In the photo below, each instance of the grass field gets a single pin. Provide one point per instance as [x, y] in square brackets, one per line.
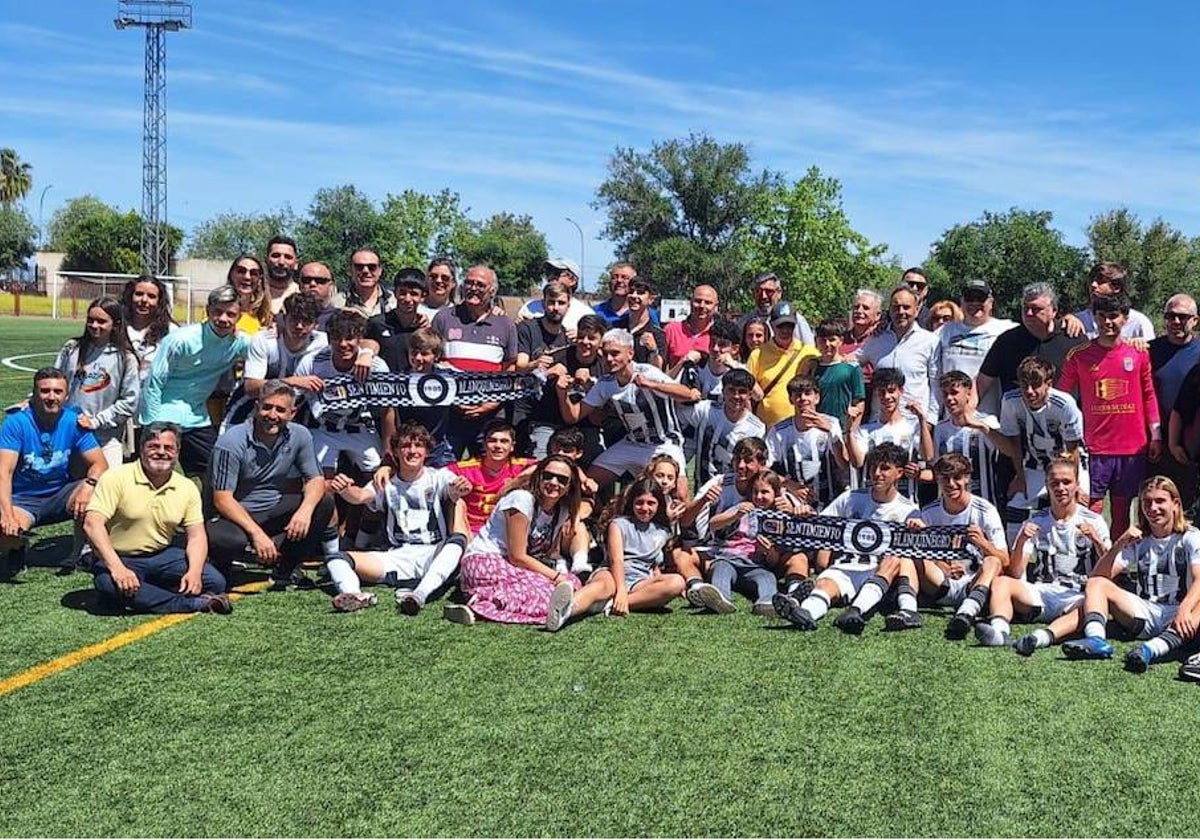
[288, 719]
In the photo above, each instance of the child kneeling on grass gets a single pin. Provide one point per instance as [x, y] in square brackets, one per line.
[1163, 551]
[424, 549]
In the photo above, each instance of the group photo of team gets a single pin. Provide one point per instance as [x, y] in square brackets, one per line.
[409, 441]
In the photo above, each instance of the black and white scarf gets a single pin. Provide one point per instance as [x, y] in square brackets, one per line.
[865, 536]
[420, 390]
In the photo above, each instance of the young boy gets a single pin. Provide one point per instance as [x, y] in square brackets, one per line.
[719, 428]
[1120, 409]
[1037, 424]
[423, 549]
[853, 575]
[963, 586]
[910, 433]
[489, 475]
[807, 449]
[968, 432]
[841, 381]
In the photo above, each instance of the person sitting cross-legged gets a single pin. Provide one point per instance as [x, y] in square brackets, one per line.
[131, 521]
[269, 494]
[423, 548]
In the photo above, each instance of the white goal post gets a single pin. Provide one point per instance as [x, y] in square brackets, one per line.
[69, 284]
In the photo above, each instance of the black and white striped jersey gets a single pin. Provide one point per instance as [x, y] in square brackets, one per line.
[1061, 553]
[321, 364]
[979, 512]
[415, 511]
[1164, 567]
[948, 437]
[808, 457]
[716, 435]
[905, 433]
[270, 358]
[1043, 435]
[648, 416]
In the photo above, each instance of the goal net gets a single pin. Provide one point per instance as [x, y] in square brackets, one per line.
[72, 291]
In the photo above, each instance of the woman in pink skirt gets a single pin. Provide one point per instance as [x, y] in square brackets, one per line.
[509, 571]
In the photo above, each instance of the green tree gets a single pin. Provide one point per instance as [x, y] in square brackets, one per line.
[16, 177]
[1160, 259]
[682, 211]
[803, 235]
[512, 246]
[17, 236]
[340, 221]
[228, 235]
[97, 237]
[1010, 250]
[414, 227]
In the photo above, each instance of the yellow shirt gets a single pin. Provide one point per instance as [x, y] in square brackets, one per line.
[143, 519]
[769, 361]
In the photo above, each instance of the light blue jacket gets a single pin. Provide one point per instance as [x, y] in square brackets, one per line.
[187, 367]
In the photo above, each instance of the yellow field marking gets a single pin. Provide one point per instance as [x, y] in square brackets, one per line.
[47, 669]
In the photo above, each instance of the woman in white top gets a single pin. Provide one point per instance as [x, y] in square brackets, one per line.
[146, 310]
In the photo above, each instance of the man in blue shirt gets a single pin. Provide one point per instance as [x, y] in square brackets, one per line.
[36, 445]
[187, 367]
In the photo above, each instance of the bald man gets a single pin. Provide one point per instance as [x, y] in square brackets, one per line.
[692, 333]
[1173, 355]
[317, 280]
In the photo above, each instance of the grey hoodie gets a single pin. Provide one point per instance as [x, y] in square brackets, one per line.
[108, 389]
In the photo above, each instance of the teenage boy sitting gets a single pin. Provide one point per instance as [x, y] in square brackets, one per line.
[908, 431]
[489, 475]
[964, 586]
[719, 428]
[969, 432]
[807, 449]
[423, 549]
[852, 575]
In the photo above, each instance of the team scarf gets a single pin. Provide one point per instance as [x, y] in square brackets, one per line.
[865, 536]
[421, 390]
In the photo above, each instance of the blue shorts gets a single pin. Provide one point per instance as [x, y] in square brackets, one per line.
[46, 510]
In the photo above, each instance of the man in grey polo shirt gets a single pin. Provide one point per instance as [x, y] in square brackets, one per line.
[269, 493]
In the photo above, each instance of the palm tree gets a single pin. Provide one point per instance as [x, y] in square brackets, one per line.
[16, 177]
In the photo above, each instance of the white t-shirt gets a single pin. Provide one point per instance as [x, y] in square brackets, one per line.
[974, 444]
[1137, 325]
[545, 529]
[1164, 566]
[416, 510]
[1043, 435]
[576, 309]
[717, 435]
[1060, 553]
[270, 358]
[906, 433]
[963, 347]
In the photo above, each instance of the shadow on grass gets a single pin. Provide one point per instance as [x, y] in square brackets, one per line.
[89, 601]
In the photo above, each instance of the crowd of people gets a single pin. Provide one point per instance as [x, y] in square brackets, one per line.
[647, 461]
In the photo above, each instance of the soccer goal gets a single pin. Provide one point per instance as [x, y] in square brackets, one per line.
[71, 292]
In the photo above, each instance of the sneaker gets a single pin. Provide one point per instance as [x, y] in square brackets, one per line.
[765, 609]
[560, 606]
[295, 580]
[216, 604]
[692, 596]
[958, 628]
[603, 606]
[788, 608]
[709, 597]
[459, 614]
[803, 589]
[353, 601]
[902, 620]
[1089, 647]
[1138, 659]
[989, 636]
[408, 602]
[1190, 668]
[851, 621]
[1026, 645]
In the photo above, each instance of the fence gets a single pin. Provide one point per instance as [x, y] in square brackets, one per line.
[69, 293]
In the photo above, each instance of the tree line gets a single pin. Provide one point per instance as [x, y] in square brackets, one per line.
[685, 211]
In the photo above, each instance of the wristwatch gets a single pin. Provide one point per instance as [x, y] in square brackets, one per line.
[91, 482]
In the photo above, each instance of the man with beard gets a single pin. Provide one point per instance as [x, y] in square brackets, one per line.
[316, 280]
[131, 521]
[281, 270]
[909, 348]
[36, 448]
[965, 343]
[540, 345]
[768, 291]
[365, 296]
[269, 492]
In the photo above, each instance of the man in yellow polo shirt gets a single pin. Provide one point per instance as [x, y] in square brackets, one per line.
[775, 363]
[131, 521]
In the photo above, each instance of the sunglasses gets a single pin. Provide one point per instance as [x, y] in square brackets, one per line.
[1177, 316]
[557, 478]
[918, 286]
[433, 276]
[318, 281]
[371, 267]
[252, 272]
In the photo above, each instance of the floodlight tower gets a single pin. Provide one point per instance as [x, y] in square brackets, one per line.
[158, 17]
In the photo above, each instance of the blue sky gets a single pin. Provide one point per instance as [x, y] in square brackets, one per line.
[928, 113]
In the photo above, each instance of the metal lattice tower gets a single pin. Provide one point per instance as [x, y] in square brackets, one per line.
[158, 17]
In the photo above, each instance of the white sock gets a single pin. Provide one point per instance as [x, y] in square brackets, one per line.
[907, 601]
[867, 597]
[1094, 630]
[443, 565]
[816, 604]
[1158, 647]
[1042, 638]
[343, 575]
[1001, 624]
[580, 559]
[969, 608]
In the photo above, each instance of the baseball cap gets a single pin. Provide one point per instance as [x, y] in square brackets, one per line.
[556, 264]
[975, 288]
[782, 313]
[642, 283]
[411, 277]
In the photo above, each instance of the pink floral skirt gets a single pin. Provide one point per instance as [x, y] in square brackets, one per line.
[501, 591]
